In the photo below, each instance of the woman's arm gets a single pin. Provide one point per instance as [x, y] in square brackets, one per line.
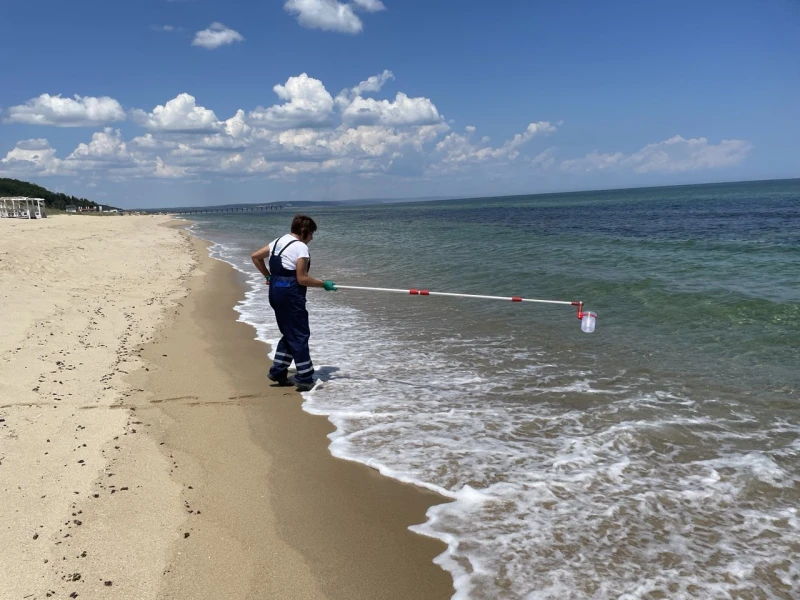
[303, 278]
[258, 260]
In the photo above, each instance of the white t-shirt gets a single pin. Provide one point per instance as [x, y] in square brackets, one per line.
[292, 253]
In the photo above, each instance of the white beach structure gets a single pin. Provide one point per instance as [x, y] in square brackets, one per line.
[10, 207]
[38, 208]
[20, 207]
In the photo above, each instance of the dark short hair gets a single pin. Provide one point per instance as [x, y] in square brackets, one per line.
[303, 225]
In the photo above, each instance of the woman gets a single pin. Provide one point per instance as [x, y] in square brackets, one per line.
[288, 279]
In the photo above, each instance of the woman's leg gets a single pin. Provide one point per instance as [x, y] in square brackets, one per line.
[280, 364]
[296, 335]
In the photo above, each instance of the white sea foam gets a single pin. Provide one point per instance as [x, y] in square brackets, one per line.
[563, 482]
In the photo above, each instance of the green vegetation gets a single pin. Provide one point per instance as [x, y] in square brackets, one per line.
[53, 200]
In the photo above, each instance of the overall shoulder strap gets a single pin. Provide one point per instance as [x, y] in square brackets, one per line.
[275, 246]
[285, 247]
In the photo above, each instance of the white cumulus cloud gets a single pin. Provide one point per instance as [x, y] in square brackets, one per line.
[544, 160]
[374, 83]
[31, 156]
[369, 5]
[675, 155]
[458, 150]
[307, 133]
[594, 161]
[377, 141]
[179, 115]
[371, 84]
[106, 145]
[331, 15]
[236, 127]
[168, 171]
[402, 111]
[533, 129]
[215, 36]
[146, 141]
[678, 154]
[308, 104]
[79, 111]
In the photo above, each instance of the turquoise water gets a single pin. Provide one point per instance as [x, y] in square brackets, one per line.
[656, 457]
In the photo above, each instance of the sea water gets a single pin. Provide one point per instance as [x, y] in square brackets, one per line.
[658, 457]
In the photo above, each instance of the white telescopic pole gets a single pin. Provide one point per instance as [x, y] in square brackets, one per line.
[415, 292]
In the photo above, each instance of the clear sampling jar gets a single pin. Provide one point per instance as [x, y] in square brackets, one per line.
[588, 321]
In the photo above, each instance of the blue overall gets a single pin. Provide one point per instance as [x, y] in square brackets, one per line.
[288, 299]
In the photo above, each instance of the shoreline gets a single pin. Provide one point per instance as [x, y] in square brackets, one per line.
[353, 539]
[231, 491]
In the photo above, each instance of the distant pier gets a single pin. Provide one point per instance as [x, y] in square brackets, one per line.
[203, 211]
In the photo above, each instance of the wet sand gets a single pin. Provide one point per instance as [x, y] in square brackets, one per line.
[197, 479]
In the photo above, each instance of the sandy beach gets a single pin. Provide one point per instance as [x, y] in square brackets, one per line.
[143, 453]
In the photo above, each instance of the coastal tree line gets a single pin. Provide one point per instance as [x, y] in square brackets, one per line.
[57, 200]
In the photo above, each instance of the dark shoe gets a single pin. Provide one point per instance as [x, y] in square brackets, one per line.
[304, 386]
[279, 382]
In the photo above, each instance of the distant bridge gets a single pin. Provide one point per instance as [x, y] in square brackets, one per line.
[201, 211]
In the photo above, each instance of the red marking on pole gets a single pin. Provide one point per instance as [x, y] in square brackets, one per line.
[424, 293]
[413, 292]
[516, 299]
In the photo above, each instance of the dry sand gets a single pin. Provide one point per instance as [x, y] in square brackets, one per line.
[142, 453]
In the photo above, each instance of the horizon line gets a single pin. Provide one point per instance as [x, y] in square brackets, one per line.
[369, 201]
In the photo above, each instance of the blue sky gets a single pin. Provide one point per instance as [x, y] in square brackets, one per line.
[191, 102]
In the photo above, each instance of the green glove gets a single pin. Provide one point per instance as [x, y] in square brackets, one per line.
[267, 282]
[329, 286]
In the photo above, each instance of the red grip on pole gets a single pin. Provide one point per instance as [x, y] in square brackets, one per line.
[413, 292]
[424, 292]
[516, 299]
